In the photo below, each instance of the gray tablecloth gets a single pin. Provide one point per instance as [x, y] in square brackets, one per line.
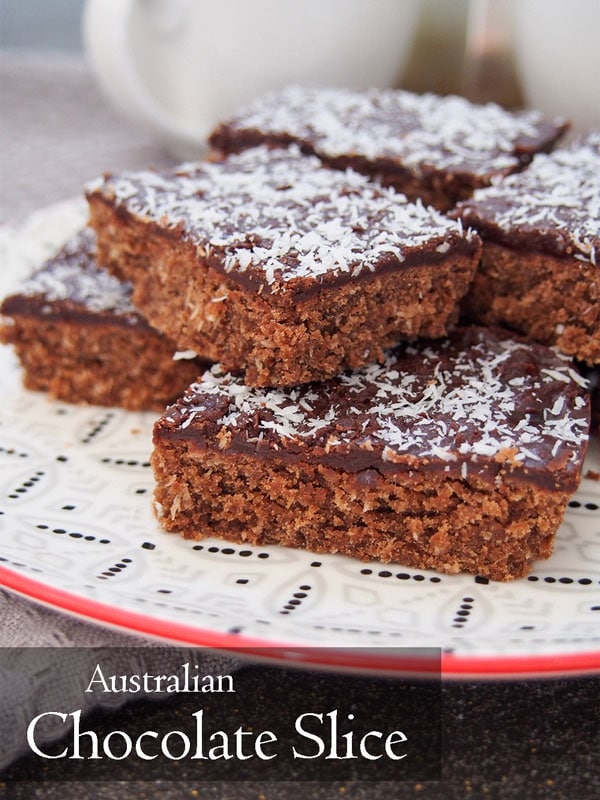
[57, 132]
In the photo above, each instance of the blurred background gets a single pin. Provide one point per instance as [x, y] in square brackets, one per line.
[449, 34]
[441, 32]
[41, 25]
[57, 130]
[61, 119]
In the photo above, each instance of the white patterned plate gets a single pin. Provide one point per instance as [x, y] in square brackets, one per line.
[77, 532]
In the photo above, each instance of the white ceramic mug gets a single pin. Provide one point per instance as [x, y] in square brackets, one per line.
[181, 66]
[558, 57]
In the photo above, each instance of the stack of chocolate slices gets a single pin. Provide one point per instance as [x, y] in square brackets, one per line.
[379, 303]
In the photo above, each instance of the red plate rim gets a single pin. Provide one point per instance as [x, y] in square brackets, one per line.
[547, 665]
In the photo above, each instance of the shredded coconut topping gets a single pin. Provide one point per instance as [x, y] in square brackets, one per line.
[276, 215]
[73, 275]
[469, 398]
[416, 129]
[557, 199]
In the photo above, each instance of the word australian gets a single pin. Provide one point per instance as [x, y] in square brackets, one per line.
[190, 680]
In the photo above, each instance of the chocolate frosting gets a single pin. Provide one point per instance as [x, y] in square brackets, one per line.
[381, 129]
[477, 404]
[71, 285]
[279, 223]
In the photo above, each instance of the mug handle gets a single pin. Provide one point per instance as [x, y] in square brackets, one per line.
[106, 33]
